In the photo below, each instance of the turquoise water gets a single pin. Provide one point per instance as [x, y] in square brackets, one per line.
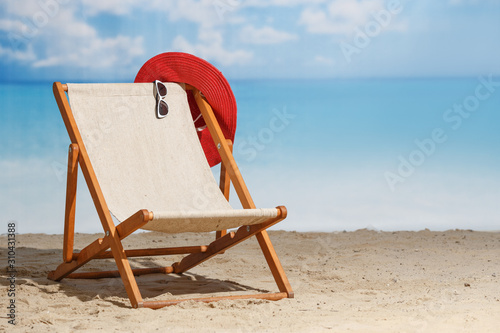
[372, 117]
[324, 148]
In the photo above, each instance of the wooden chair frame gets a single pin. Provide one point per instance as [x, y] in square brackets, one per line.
[98, 249]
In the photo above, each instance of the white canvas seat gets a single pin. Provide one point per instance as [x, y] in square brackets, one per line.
[143, 162]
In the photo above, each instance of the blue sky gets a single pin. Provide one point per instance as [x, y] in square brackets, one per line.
[109, 40]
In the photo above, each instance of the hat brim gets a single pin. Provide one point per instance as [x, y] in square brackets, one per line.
[186, 68]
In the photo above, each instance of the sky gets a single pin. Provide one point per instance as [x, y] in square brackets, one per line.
[109, 40]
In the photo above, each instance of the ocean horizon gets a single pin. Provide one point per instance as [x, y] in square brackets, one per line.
[342, 154]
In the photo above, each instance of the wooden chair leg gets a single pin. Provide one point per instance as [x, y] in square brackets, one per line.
[111, 240]
[125, 270]
[69, 217]
[274, 263]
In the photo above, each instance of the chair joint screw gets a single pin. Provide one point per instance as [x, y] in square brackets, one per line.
[218, 145]
[248, 228]
[107, 233]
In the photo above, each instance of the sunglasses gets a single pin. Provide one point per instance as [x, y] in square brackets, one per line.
[161, 105]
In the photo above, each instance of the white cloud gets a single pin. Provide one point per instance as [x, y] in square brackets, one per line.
[212, 18]
[66, 25]
[207, 13]
[265, 35]
[22, 8]
[316, 21]
[353, 11]
[49, 34]
[203, 12]
[10, 25]
[16, 54]
[62, 36]
[341, 17]
[16, 49]
[210, 47]
[319, 59]
[97, 53]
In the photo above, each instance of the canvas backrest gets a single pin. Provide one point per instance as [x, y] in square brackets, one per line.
[141, 161]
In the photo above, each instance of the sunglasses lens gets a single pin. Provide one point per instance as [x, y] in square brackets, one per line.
[162, 90]
[162, 109]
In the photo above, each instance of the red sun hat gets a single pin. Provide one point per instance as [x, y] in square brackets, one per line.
[186, 68]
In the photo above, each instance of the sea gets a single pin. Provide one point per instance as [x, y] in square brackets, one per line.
[383, 154]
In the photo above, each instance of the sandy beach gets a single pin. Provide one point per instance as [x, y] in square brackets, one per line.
[362, 281]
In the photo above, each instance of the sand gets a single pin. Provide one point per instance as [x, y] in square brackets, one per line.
[362, 281]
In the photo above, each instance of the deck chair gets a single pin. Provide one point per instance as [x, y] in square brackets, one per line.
[151, 173]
